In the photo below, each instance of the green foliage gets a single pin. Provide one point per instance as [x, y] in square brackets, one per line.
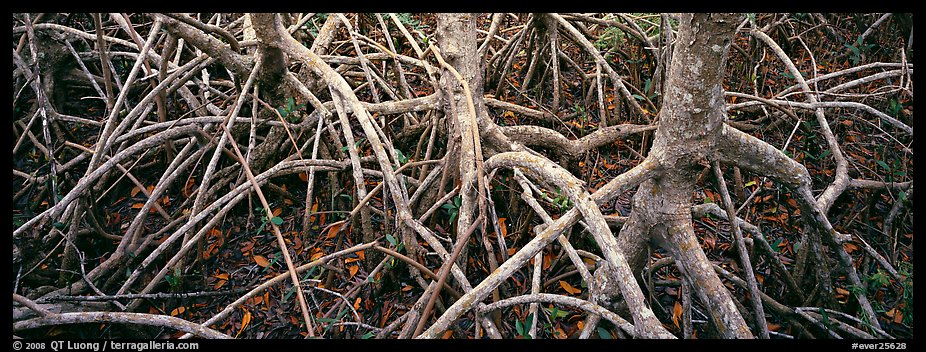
[287, 110]
[880, 279]
[858, 49]
[610, 39]
[173, 279]
[401, 156]
[523, 329]
[894, 169]
[555, 313]
[453, 209]
[895, 107]
[604, 334]
[276, 220]
[408, 20]
[562, 201]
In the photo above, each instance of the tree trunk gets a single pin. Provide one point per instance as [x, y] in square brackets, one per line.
[690, 122]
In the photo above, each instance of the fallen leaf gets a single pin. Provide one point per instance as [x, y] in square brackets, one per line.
[569, 288]
[357, 303]
[188, 189]
[277, 211]
[137, 205]
[676, 313]
[850, 247]
[244, 321]
[261, 260]
[333, 229]
[560, 334]
[177, 311]
[502, 227]
[247, 247]
[135, 191]
[353, 270]
[316, 253]
[447, 334]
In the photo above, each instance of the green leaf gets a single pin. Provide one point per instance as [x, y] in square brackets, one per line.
[555, 313]
[604, 334]
[519, 327]
[401, 157]
[883, 164]
[276, 220]
[367, 335]
[391, 239]
[749, 184]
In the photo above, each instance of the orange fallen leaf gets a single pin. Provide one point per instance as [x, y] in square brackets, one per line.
[277, 211]
[850, 247]
[447, 334]
[333, 229]
[247, 247]
[187, 190]
[244, 321]
[261, 260]
[177, 311]
[569, 288]
[353, 270]
[357, 303]
[316, 253]
[676, 313]
[560, 334]
[137, 205]
[135, 191]
[502, 227]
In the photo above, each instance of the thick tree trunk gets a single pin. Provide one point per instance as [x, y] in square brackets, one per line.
[690, 122]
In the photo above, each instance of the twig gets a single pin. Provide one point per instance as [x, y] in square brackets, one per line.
[141, 296]
[120, 317]
[743, 254]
